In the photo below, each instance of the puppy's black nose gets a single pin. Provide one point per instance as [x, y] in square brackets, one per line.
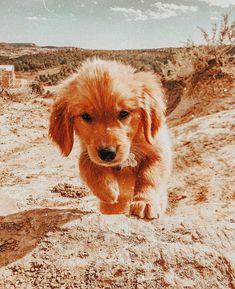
[107, 154]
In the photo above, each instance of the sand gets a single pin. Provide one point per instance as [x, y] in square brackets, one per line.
[53, 236]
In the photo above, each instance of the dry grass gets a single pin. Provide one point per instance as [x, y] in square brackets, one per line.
[201, 68]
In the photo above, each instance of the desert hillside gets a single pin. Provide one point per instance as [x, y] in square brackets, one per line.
[52, 234]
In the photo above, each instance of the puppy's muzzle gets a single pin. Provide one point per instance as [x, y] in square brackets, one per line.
[107, 154]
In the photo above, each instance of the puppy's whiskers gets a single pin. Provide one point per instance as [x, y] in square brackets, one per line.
[85, 159]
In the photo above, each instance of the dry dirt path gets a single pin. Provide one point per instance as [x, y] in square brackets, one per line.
[59, 239]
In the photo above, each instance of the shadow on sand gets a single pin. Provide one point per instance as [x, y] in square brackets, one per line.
[21, 232]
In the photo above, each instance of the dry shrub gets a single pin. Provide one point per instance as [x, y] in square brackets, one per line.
[177, 68]
[12, 95]
[16, 94]
[37, 88]
[202, 68]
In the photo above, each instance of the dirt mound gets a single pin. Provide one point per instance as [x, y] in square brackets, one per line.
[209, 95]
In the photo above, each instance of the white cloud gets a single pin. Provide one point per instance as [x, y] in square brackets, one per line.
[158, 10]
[215, 18]
[174, 7]
[219, 3]
[35, 18]
[131, 14]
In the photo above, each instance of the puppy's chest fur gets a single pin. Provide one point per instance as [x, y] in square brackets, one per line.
[126, 178]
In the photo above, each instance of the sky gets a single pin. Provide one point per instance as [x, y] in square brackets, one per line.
[109, 24]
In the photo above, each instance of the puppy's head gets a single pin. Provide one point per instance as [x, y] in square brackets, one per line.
[110, 107]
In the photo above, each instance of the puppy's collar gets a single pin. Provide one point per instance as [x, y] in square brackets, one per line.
[129, 162]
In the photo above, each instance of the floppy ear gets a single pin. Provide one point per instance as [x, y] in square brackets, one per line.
[61, 126]
[152, 105]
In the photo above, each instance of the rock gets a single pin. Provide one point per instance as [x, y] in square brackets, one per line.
[7, 205]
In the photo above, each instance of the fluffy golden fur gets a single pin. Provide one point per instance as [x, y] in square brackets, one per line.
[116, 111]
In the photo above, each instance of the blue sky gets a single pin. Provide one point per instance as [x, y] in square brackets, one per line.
[109, 24]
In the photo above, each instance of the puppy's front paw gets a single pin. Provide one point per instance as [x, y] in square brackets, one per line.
[110, 192]
[143, 209]
[114, 189]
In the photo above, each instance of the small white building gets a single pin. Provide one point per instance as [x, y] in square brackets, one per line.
[7, 76]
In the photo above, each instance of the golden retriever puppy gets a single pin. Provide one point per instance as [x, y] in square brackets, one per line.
[125, 152]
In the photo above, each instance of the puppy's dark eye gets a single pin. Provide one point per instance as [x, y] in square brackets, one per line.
[123, 114]
[86, 117]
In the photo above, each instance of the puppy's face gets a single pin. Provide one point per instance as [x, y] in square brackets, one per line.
[106, 127]
[105, 106]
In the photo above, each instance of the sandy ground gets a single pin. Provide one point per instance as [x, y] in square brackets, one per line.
[52, 235]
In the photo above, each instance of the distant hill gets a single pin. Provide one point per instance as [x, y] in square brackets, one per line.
[36, 58]
[17, 45]
[13, 45]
